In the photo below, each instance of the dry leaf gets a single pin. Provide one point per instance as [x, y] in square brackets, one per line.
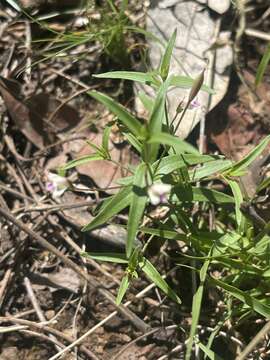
[31, 116]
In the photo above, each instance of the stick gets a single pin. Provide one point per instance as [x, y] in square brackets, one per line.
[138, 323]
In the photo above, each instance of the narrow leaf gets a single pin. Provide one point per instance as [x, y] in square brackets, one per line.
[196, 308]
[129, 75]
[117, 203]
[167, 139]
[137, 206]
[152, 273]
[244, 163]
[248, 300]
[82, 160]
[238, 198]
[118, 258]
[166, 59]
[123, 115]
[186, 82]
[262, 66]
[122, 289]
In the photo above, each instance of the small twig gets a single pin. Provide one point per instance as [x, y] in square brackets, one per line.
[51, 330]
[33, 299]
[4, 284]
[258, 34]
[257, 338]
[140, 324]
[104, 321]
[151, 332]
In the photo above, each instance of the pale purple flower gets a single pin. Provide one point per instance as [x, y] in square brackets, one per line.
[194, 104]
[56, 184]
[159, 193]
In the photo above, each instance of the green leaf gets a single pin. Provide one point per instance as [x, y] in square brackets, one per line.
[152, 273]
[238, 198]
[244, 163]
[167, 139]
[170, 163]
[210, 353]
[248, 300]
[137, 206]
[166, 58]
[262, 66]
[106, 138]
[209, 169]
[156, 120]
[164, 233]
[263, 185]
[122, 289]
[117, 203]
[128, 120]
[82, 160]
[196, 308]
[186, 82]
[14, 5]
[134, 142]
[118, 258]
[200, 194]
[146, 100]
[129, 75]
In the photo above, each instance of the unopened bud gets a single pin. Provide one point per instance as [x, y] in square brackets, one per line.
[196, 86]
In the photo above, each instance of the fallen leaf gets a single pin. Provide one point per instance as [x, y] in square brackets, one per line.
[31, 116]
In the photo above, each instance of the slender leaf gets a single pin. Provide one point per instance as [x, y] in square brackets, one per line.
[14, 5]
[122, 289]
[238, 197]
[137, 206]
[82, 160]
[186, 82]
[248, 300]
[166, 58]
[106, 138]
[173, 141]
[200, 194]
[118, 258]
[170, 163]
[117, 203]
[210, 353]
[152, 273]
[128, 120]
[209, 169]
[129, 75]
[196, 308]
[262, 66]
[244, 163]
[146, 100]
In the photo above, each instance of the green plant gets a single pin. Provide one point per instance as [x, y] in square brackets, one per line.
[262, 66]
[174, 174]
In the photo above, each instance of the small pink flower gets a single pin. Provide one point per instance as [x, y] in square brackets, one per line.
[194, 104]
[56, 184]
[159, 193]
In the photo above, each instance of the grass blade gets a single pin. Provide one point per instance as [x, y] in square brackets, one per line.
[80, 161]
[117, 203]
[167, 139]
[166, 58]
[137, 206]
[241, 165]
[128, 120]
[196, 308]
[152, 273]
[262, 66]
[129, 75]
[122, 289]
[118, 258]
